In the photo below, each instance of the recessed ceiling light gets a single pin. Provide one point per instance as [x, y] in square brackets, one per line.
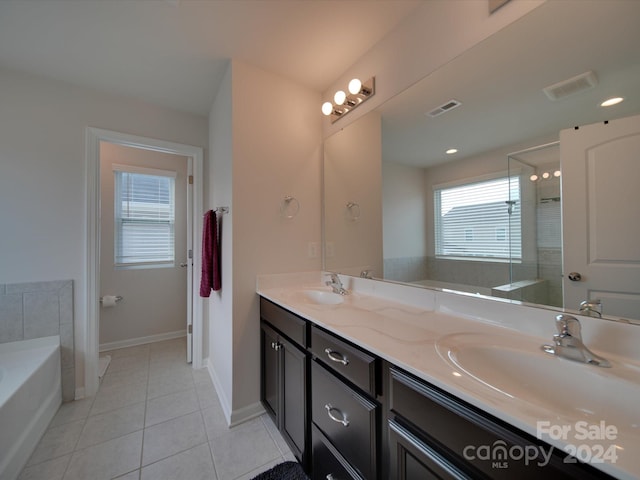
[611, 101]
[451, 151]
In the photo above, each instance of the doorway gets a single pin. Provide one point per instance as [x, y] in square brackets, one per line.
[95, 139]
[144, 259]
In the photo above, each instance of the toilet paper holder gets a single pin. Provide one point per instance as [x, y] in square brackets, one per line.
[119, 298]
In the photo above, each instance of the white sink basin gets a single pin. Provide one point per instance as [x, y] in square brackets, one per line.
[516, 367]
[323, 297]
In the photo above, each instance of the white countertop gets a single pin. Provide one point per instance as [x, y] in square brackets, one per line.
[428, 332]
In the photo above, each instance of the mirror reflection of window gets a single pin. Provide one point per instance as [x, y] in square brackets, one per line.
[479, 220]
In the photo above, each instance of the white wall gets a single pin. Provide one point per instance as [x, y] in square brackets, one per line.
[220, 178]
[404, 198]
[42, 175]
[155, 299]
[352, 173]
[270, 149]
[431, 36]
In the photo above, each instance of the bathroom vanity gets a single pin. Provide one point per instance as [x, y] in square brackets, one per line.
[366, 387]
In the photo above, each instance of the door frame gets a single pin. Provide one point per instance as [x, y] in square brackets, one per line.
[93, 137]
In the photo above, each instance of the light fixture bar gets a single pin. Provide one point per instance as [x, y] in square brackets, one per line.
[353, 100]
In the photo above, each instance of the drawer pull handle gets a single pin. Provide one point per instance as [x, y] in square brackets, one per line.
[342, 420]
[336, 357]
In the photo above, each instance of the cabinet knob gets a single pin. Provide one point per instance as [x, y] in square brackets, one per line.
[336, 357]
[276, 345]
[341, 419]
[330, 476]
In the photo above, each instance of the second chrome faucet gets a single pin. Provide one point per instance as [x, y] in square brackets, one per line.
[568, 343]
[336, 284]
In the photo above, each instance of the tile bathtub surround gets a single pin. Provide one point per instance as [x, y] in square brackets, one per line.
[41, 309]
[153, 418]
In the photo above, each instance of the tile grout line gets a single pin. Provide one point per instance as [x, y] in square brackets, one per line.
[144, 417]
[85, 419]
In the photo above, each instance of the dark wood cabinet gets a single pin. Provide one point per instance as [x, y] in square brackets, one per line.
[431, 430]
[413, 459]
[284, 379]
[353, 363]
[348, 415]
[270, 372]
[328, 462]
[345, 410]
[347, 418]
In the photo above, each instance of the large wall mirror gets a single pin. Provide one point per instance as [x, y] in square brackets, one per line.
[492, 218]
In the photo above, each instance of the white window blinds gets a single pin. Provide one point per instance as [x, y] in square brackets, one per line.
[479, 220]
[144, 216]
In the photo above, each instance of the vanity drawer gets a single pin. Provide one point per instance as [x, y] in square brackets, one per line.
[348, 420]
[452, 427]
[327, 462]
[289, 324]
[349, 361]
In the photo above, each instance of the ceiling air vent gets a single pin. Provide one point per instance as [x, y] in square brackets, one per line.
[450, 105]
[576, 84]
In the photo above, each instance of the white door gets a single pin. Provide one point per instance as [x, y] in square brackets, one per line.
[155, 294]
[601, 225]
[189, 261]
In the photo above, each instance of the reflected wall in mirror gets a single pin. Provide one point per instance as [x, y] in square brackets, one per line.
[506, 131]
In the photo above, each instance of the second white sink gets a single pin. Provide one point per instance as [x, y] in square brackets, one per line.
[517, 368]
[323, 297]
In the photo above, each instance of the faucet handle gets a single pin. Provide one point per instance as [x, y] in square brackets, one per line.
[568, 325]
[334, 277]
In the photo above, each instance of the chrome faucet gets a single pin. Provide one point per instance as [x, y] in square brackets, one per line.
[568, 343]
[336, 284]
[366, 274]
[592, 308]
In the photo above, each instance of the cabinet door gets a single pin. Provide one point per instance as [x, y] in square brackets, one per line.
[328, 464]
[413, 459]
[294, 401]
[270, 388]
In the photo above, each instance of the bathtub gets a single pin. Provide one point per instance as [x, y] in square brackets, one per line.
[30, 395]
[453, 286]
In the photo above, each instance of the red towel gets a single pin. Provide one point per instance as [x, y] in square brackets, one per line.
[210, 279]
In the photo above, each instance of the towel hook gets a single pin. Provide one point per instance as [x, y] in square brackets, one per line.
[353, 211]
[289, 207]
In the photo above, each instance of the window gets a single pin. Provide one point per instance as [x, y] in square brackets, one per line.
[479, 219]
[144, 217]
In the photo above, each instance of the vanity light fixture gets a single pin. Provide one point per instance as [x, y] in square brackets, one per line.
[545, 176]
[611, 101]
[343, 103]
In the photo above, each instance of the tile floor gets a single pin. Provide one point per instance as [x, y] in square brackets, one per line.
[153, 418]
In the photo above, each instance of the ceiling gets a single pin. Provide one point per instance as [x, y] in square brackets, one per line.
[174, 52]
[499, 83]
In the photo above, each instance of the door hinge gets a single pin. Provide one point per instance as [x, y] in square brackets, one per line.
[190, 179]
[190, 254]
[190, 329]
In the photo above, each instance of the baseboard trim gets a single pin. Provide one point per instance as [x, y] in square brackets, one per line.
[132, 342]
[233, 417]
[246, 413]
[79, 393]
[224, 403]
